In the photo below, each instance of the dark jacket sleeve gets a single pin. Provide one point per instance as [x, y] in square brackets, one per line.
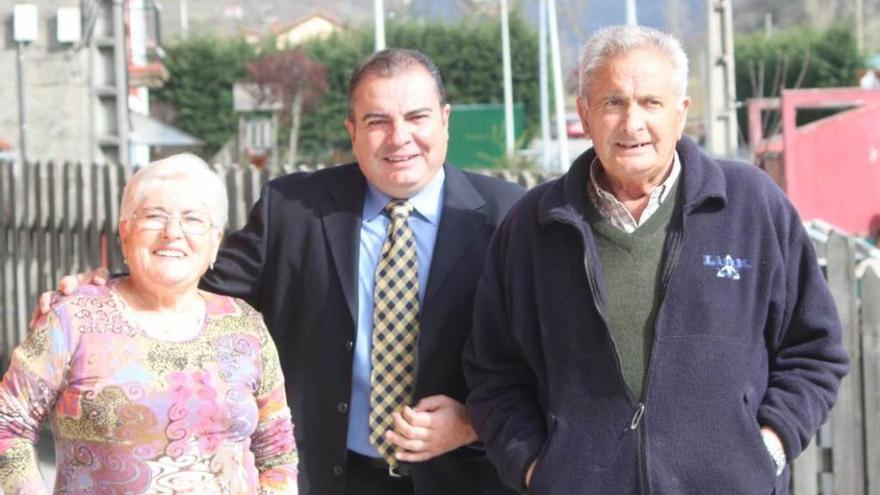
[503, 400]
[807, 359]
[238, 271]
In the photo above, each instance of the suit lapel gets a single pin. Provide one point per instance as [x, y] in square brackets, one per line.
[341, 213]
[461, 220]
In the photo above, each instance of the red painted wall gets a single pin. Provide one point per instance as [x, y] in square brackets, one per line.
[832, 166]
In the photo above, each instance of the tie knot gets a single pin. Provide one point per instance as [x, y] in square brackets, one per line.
[399, 208]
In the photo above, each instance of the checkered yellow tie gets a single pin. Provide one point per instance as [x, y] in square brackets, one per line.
[395, 326]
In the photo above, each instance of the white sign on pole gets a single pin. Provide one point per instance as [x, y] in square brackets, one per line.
[69, 25]
[24, 20]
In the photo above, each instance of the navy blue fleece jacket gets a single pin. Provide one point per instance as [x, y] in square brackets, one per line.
[747, 335]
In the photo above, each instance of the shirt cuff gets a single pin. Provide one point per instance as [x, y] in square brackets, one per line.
[775, 449]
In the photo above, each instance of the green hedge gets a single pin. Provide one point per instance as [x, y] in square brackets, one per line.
[199, 89]
[468, 55]
[827, 58]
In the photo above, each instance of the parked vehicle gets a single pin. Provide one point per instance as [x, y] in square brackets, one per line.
[573, 126]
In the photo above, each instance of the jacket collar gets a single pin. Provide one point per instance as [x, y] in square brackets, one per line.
[463, 215]
[341, 215]
[565, 199]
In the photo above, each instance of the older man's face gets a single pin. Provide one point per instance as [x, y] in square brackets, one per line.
[634, 117]
[399, 131]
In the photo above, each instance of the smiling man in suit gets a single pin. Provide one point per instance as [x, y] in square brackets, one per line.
[308, 258]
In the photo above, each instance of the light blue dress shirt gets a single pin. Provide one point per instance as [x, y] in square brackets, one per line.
[428, 205]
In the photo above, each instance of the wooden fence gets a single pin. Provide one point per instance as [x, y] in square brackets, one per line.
[845, 457]
[61, 218]
[58, 219]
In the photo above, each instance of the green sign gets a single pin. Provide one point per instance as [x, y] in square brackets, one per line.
[476, 134]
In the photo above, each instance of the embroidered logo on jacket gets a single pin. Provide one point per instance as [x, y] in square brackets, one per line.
[727, 266]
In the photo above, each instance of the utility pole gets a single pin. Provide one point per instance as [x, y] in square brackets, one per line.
[722, 130]
[673, 16]
[508, 82]
[860, 25]
[558, 92]
[631, 16]
[24, 20]
[184, 20]
[22, 103]
[108, 81]
[120, 75]
[543, 85]
[379, 23]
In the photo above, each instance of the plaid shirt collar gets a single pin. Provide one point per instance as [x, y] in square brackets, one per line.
[615, 212]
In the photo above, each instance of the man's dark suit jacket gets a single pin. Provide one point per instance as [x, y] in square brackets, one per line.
[296, 262]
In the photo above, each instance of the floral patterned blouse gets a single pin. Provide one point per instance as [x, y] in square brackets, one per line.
[132, 414]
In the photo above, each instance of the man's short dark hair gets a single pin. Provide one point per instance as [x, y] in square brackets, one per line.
[389, 63]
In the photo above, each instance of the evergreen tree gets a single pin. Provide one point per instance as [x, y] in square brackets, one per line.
[199, 90]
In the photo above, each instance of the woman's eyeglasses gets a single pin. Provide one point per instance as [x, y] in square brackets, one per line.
[190, 223]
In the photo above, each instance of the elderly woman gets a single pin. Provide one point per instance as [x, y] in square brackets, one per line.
[152, 385]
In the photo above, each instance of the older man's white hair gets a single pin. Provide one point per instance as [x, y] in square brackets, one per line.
[183, 166]
[616, 40]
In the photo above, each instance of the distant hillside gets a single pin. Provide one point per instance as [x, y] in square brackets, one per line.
[751, 15]
[577, 18]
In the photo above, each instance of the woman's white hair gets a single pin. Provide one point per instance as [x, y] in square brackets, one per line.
[206, 184]
[615, 40]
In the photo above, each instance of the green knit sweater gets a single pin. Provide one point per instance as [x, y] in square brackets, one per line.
[631, 266]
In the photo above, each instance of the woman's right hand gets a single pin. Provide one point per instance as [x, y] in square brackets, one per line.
[66, 286]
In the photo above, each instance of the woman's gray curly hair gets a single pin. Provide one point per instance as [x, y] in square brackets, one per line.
[206, 184]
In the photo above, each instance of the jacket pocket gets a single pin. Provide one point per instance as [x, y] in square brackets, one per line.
[757, 439]
[703, 435]
[535, 484]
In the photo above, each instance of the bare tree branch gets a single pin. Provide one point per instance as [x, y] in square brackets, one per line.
[753, 79]
[781, 68]
[762, 77]
[803, 72]
[294, 79]
[777, 127]
[779, 73]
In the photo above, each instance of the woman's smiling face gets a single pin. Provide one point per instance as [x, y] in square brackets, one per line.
[161, 240]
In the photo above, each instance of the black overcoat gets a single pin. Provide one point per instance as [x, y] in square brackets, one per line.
[296, 262]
